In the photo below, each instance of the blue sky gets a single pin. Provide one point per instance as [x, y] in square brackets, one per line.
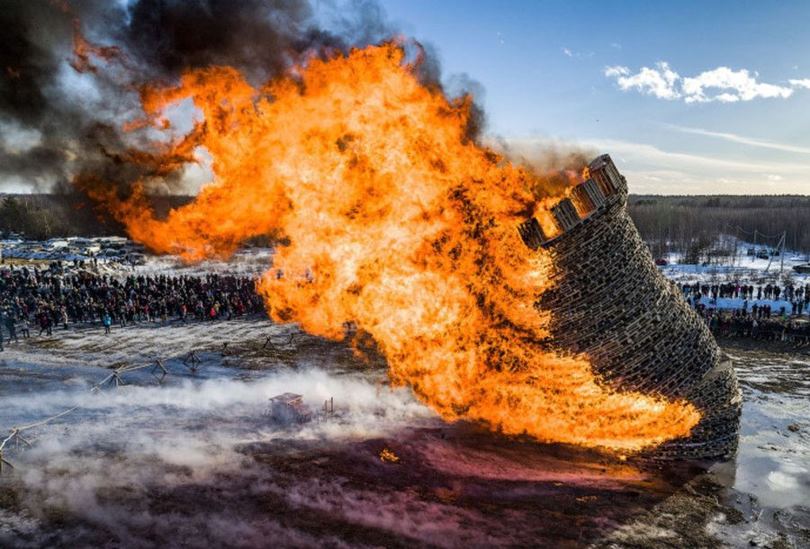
[573, 73]
[688, 97]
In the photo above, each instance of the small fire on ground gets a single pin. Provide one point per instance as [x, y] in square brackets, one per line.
[388, 456]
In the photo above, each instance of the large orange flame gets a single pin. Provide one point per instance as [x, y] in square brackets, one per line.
[397, 224]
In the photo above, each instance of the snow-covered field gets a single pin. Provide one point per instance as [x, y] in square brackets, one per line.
[191, 458]
[754, 273]
[248, 262]
[113, 252]
[746, 268]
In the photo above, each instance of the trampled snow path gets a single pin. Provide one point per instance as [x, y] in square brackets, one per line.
[87, 345]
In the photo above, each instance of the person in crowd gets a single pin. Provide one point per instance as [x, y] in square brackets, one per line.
[25, 328]
[45, 324]
[11, 328]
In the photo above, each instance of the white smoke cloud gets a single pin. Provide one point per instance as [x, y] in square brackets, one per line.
[101, 465]
[367, 409]
[722, 84]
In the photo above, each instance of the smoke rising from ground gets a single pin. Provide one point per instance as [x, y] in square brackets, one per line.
[196, 463]
[104, 466]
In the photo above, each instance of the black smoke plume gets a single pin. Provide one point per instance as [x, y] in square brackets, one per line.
[61, 113]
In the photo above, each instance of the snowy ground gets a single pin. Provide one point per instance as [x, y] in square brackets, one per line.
[253, 261]
[193, 460]
[748, 274]
[742, 269]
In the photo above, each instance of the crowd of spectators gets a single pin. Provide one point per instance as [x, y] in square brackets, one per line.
[57, 296]
[741, 324]
[765, 312]
[43, 299]
[797, 296]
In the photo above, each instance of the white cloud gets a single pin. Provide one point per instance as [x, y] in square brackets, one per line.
[653, 170]
[738, 85]
[801, 83]
[618, 70]
[649, 154]
[721, 84]
[568, 52]
[650, 169]
[743, 140]
[723, 98]
[659, 82]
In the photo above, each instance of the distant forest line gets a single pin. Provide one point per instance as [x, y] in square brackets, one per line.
[692, 224]
[43, 216]
[687, 224]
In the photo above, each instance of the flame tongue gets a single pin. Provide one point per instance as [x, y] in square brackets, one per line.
[399, 224]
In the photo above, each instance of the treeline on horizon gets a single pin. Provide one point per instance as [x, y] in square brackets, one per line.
[692, 224]
[44, 216]
[684, 224]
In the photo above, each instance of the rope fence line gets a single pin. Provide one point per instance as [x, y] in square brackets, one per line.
[113, 379]
[16, 436]
[770, 249]
[191, 361]
[755, 232]
[15, 433]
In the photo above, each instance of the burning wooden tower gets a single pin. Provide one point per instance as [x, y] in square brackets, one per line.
[609, 301]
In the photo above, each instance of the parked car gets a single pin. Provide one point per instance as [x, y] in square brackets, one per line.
[661, 262]
[803, 269]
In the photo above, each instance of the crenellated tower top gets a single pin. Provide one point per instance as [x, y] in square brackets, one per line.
[603, 186]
